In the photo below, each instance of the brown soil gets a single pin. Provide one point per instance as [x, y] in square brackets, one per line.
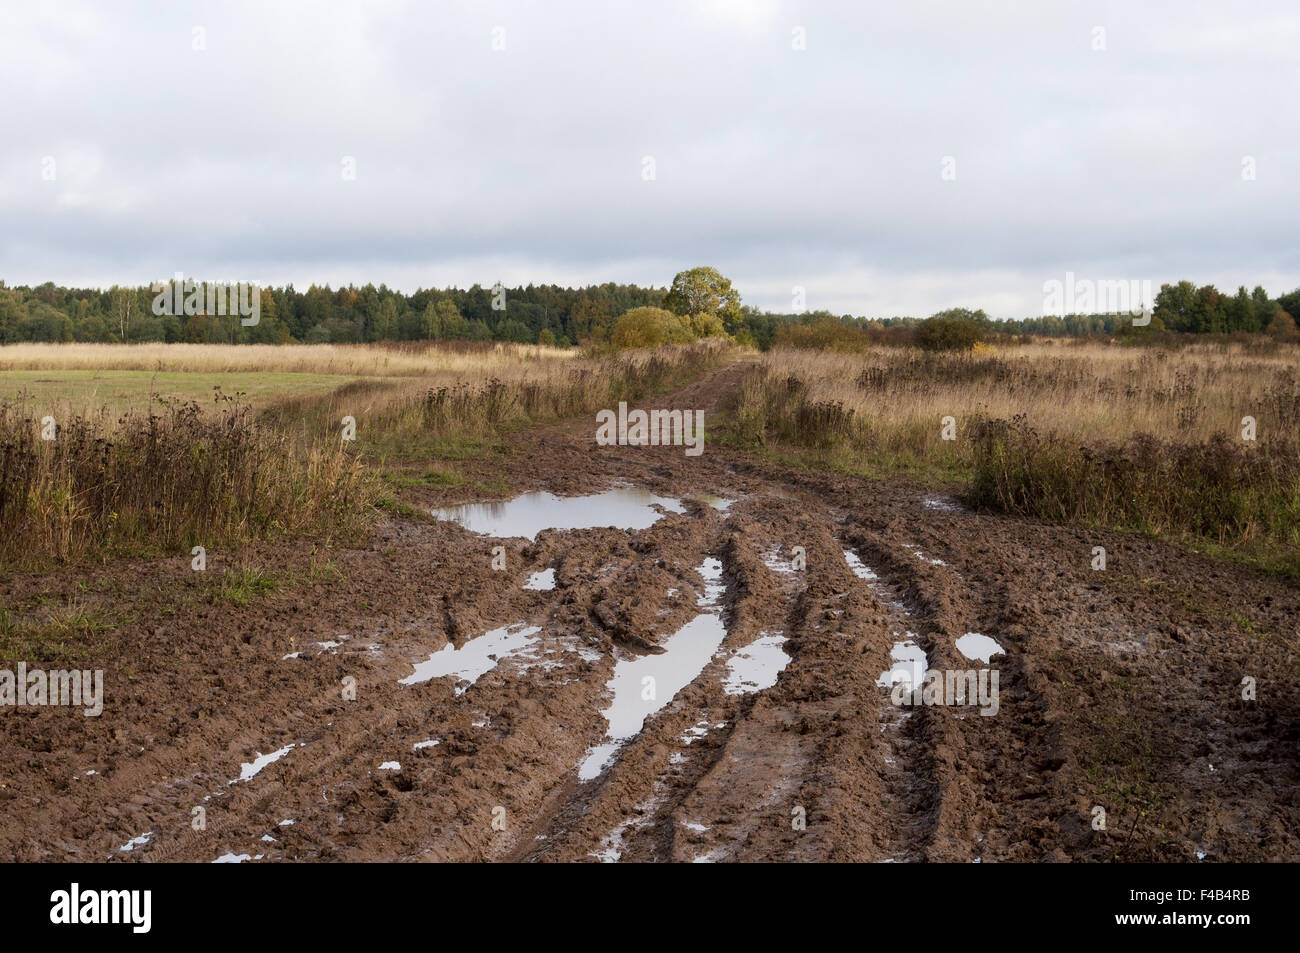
[1119, 689]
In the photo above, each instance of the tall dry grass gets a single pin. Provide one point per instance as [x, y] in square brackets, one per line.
[395, 415]
[1148, 439]
[166, 481]
[185, 476]
[1089, 392]
[411, 359]
[1231, 492]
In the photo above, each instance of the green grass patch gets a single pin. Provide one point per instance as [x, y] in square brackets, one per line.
[66, 636]
[244, 584]
[87, 391]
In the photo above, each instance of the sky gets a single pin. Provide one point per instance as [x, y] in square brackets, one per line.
[885, 158]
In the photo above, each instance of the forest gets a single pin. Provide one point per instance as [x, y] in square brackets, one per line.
[552, 315]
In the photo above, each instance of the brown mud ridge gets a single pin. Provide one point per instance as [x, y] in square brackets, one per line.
[1118, 689]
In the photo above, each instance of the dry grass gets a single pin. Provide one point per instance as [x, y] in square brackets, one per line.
[1146, 439]
[67, 380]
[391, 414]
[170, 479]
[361, 360]
[167, 482]
[1089, 392]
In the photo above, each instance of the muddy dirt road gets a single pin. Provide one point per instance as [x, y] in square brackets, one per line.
[505, 714]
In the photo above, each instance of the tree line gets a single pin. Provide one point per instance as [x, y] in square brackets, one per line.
[700, 303]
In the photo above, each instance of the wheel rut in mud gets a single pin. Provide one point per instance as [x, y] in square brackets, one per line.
[505, 713]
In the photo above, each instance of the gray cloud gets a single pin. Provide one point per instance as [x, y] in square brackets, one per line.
[782, 167]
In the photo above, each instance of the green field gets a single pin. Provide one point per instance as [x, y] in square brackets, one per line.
[82, 391]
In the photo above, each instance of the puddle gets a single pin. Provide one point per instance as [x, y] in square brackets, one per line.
[613, 844]
[555, 657]
[774, 561]
[695, 826]
[475, 658]
[686, 652]
[717, 502]
[757, 666]
[288, 821]
[698, 730]
[711, 571]
[888, 595]
[249, 769]
[541, 581]
[135, 842]
[944, 503]
[425, 744]
[860, 570]
[976, 646]
[391, 766]
[267, 838]
[527, 515]
[323, 646]
[909, 665]
[235, 858]
[916, 550]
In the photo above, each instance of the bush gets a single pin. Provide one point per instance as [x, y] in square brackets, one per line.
[1283, 327]
[649, 327]
[824, 334]
[948, 334]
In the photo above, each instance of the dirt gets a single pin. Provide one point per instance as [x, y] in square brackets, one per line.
[1119, 689]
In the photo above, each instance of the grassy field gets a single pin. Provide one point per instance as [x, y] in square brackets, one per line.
[363, 360]
[127, 473]
[246, 442]
[69, 392]
[1100, 435]
[1083, 392]
[71, 379]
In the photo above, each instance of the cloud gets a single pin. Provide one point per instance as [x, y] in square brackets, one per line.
[818, 167]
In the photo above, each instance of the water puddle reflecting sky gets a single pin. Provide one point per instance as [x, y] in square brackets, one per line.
[527, 515]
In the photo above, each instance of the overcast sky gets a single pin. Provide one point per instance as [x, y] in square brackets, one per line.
[821, 167]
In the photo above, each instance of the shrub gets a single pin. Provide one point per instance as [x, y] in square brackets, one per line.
[948, 334]
[649, 327]
[824, 334]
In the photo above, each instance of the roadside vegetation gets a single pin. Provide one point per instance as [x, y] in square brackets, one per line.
[1089, 434]
[181, 474]
[1185, 427]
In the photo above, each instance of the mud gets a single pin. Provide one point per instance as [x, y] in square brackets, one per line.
[1118, 689]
